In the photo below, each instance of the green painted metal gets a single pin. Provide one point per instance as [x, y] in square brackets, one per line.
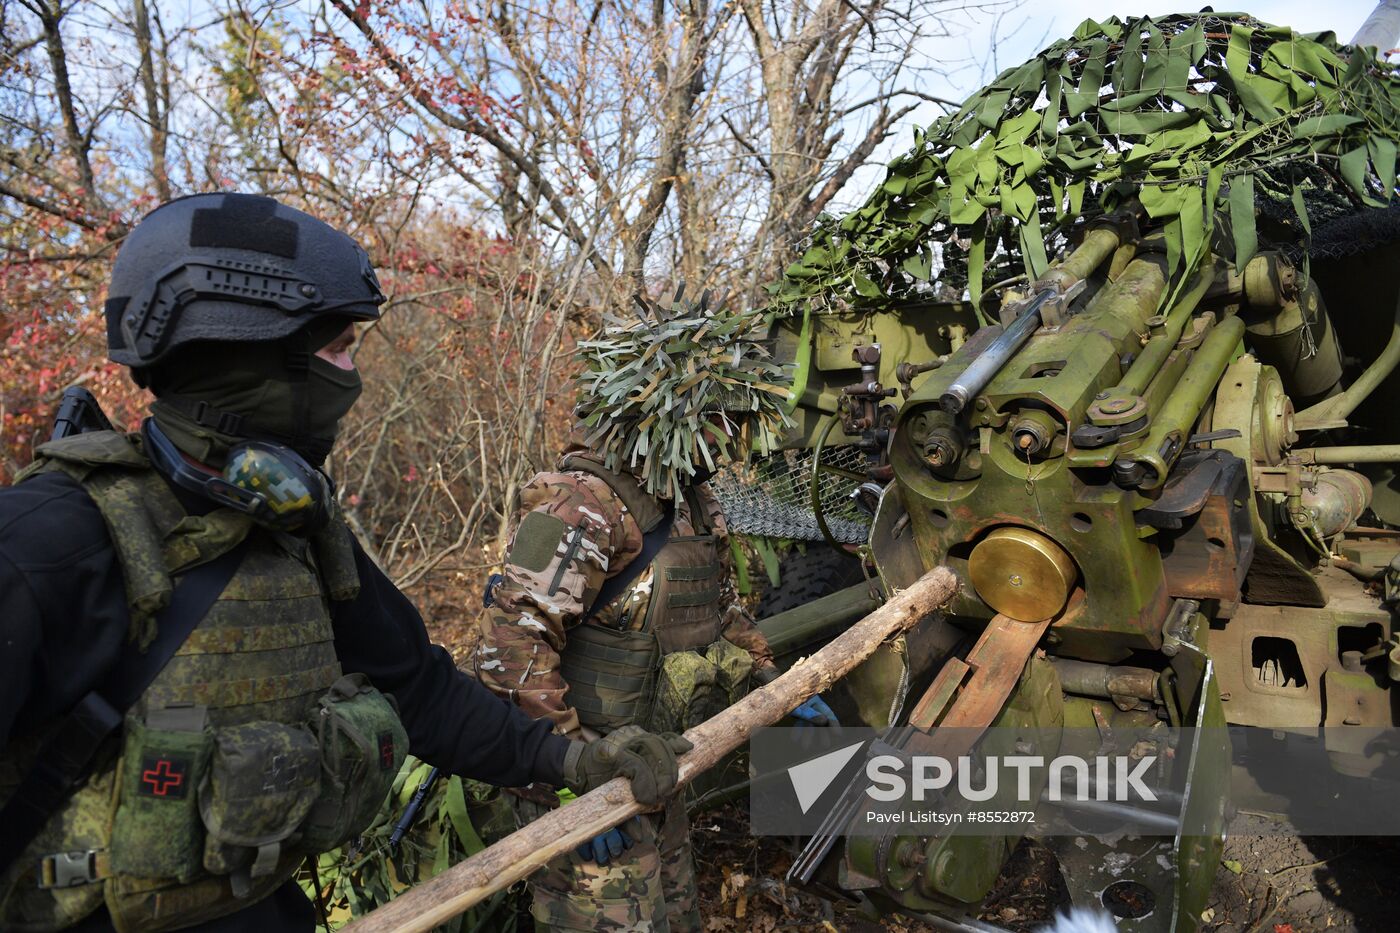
[1140, 368]
[817, 621]
[1172, 425]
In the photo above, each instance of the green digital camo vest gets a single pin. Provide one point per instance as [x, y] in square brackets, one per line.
[673, 670]
[248, 751]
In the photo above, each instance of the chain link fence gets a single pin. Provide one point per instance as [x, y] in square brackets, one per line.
[772, 496]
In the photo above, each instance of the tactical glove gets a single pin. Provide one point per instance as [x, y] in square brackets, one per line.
[647, 760]
[606, 846]
[815, 712]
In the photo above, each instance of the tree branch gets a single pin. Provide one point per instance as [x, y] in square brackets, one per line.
[480, 129]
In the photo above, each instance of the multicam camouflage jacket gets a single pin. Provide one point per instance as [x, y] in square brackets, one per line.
[542, 596]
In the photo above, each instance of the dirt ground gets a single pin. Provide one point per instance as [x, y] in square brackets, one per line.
[1264, 884]
[1294, 884]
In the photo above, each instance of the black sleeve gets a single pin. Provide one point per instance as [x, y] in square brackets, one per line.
[63, 615]
[453, 722]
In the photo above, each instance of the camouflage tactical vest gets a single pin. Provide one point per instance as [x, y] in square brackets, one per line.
[248, 751]
[671, 669]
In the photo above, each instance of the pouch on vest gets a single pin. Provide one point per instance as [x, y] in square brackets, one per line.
[157, 831]
[362, 743]
[263, 779]
[610, 675]
[693, 686]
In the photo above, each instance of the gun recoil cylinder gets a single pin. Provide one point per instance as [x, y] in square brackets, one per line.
[981, 370]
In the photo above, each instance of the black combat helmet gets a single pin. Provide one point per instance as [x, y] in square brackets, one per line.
[231, 267]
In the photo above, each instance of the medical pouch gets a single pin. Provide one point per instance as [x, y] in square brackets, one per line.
[362, 745]
[157, 831]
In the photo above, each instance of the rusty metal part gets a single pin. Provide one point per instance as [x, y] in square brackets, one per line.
[1302, 646]
[986, 679]
[944, 447]
[1336, 500]
[1207, 538]
[939, 693]
[1243, 402]
[1111, 682]
[1034, 431]
[906, 373]
[1022, 574]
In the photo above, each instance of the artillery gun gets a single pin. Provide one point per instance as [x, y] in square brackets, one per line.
[1158, 450]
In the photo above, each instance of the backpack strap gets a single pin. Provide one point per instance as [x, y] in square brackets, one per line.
[66, 758]
[652, 543]
[639, 502]
[655, 520]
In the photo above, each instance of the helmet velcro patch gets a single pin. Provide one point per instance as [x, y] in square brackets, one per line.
[244, 221]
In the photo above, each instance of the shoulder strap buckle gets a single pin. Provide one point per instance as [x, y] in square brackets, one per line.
[70, 869]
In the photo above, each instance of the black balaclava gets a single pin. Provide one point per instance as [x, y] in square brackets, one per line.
[277, 391]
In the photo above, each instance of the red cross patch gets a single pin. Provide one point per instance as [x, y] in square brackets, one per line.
[386, 751]
[163, 777]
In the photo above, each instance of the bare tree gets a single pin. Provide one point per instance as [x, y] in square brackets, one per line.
[514, 168]
[837, 78]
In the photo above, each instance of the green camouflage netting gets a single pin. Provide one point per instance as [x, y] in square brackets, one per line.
[1204, 118]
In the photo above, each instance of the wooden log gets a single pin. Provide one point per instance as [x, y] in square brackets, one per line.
[560, 831]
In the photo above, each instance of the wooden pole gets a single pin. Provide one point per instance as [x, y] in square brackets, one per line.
[560, 831]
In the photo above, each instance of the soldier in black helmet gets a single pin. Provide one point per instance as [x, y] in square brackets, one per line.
[203, 679]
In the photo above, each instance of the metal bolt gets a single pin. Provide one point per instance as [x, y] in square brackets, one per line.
[1014, 579]
[307, 289]
[943, 869]
[1102, 395]
[981, 404]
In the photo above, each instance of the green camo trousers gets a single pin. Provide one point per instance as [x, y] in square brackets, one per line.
[650, 887]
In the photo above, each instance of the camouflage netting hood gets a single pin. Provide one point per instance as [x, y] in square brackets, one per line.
[652, 386]
[1223, 127]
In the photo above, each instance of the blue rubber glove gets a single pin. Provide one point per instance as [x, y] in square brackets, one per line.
[608, 845]
[815, 712]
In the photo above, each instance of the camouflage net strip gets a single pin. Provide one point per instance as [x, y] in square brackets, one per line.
[654, 386]
[771, 497]
[1201, 117]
